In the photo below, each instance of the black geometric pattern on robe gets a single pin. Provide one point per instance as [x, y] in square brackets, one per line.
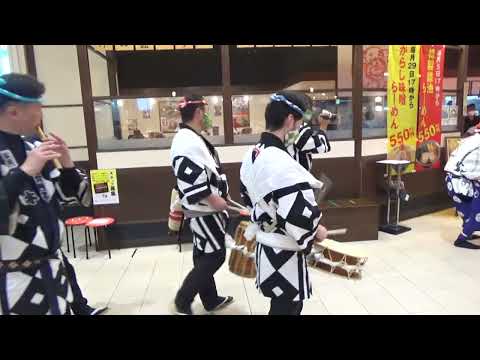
[36, 287]
[301, 150]
[276, 281]
[209, 229]
[35, 220]
[194, 172]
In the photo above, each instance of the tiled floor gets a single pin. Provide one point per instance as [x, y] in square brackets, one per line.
[418, 272]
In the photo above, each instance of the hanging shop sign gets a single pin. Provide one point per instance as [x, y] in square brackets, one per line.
[402, 93]
[429, 136]
[104, 186]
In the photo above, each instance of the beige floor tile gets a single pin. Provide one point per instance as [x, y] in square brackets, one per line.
[418, 272]
[408, 295]
[338, 300]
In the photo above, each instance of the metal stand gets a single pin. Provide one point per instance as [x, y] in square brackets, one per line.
[394, 228]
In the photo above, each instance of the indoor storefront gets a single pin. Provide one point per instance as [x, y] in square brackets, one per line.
[116, 106]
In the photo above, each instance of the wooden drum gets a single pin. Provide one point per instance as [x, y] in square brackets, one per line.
[242, 263]
[337, 258]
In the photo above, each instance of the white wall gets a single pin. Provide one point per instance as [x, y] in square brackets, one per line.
[99, 74]
[227, 154]
[67, 123]
[57, 68]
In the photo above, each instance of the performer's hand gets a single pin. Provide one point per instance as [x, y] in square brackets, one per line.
[217, 202]
[321, 233]
[65, 159]
[37, 158]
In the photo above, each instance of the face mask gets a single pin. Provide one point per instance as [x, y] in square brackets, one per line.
[292, 136]
[307, 116]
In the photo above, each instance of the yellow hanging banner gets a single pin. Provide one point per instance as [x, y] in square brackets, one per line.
[402, 94]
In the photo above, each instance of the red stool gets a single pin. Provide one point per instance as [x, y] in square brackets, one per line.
[100, 223]
[78, 221]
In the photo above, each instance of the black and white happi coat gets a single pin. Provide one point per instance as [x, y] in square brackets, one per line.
[285, 216]
[199, 174]
[307, 143]
[35, 231]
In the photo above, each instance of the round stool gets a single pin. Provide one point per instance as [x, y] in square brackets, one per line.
[100, 223]
[78, 221]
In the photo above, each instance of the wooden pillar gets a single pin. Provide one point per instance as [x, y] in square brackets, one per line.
[357, 93]
[462, 73]
[112, 73]
[88, 108]
[30, 60]
[227, 94]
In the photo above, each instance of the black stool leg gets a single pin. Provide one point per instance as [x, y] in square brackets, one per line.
[86, 242]
[68, 246]
[73, 243]
[95, 233]
[89, 237]
[107, 242]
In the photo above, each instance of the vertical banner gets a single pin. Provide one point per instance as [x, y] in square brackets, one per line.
[402, 93]
[429, 136]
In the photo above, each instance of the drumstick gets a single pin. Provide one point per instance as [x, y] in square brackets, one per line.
[333, 233]
[242, 212]
[43, 137]
[237, 204]
[337, 232]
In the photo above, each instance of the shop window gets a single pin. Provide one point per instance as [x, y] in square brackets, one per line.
[258, 71]
[374, 114]
[5, 66]
[449, 112]
[249, 114]
[149, 123]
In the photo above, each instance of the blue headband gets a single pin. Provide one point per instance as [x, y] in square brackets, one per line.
[281, 98]
[16, 97]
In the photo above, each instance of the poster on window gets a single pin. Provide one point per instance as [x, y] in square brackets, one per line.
[241, 115]
[375, 61]
[104, 186]
[402, 94]
[429, 136]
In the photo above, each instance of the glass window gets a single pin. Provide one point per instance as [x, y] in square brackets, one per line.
[374, 114]
[449, 112]
[257, 71]
[249, 114]
[127, 124]
[5, 67]
[341, 104]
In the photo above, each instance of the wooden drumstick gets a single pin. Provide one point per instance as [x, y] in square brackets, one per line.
[333, 233]
[337, 232]
[43, 137]
[242, 212]
[237, 204]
